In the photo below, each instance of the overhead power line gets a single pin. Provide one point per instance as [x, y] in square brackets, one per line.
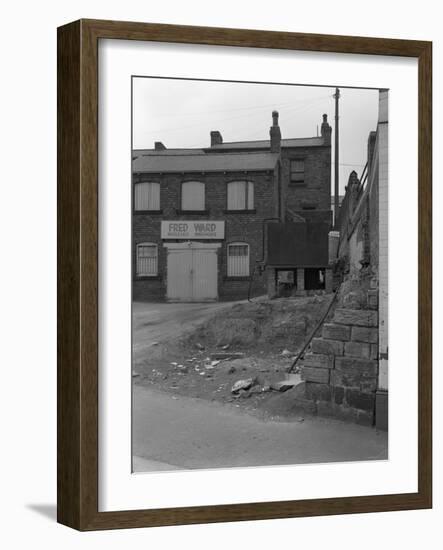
[159, 132]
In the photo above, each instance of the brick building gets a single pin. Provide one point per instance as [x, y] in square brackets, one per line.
[203, 218]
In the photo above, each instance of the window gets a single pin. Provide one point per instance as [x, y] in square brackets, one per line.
[147, 196]
[238, 260]
[193, 195]
[240, 195]
[297, 171]
[147, 260]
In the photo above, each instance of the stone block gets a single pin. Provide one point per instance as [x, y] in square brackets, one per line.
[355, 299]
[364, 334]
[336, 332]
[360, 400]
[318, 361]
[356, 317]
[374, 351]
[338, 394]
[367, 367]
[318, 392]
[373, 299]
[327, 347]
[358, 349]
[368, 384]
[314, 374]
[340, 378]
[355, 373]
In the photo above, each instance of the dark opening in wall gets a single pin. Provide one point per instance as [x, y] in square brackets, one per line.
[314, 279]
[286, 281]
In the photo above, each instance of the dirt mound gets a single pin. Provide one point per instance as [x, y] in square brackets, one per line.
[267, 324]
[256, 341]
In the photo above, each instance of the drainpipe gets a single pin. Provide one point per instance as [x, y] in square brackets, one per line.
[262, 261]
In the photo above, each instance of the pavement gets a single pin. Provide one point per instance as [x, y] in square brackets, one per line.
[177, 432]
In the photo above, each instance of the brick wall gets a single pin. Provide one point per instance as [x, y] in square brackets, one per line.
[316, 187]
[242, 226]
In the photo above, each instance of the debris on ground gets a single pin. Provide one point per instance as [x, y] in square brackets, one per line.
[242, 385]
[282, 385]
[223, 356]
[251, 344]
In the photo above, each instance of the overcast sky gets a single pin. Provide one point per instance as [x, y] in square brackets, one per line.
[181, 113]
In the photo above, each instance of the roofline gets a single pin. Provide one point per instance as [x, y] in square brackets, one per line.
[251, 152]
[210, 171]
[236, 144]
[267, 140]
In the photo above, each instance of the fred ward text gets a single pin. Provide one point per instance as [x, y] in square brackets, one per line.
[193, 230]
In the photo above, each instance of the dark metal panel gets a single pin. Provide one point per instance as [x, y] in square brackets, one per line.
[298, 244]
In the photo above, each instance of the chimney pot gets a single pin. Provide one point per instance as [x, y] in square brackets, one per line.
[216, 138]
[275, 118]
[275, 134]
[326, 130]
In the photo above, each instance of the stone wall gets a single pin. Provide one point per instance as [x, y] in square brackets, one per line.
[340, 371]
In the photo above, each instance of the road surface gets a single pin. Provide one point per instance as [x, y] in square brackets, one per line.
[154, 322]
[177, 432]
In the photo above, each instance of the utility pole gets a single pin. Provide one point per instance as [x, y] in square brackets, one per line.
[336, 159]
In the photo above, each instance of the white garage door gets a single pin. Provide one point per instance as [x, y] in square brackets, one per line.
[192, 272]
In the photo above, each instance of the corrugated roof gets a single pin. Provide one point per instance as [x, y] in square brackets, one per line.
[229, 162]
[265, 143]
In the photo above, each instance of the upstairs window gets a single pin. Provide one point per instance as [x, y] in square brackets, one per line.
[147, 196]
[297, 171]
[238, 260]
[147, 260]
[240, 195]
[193, 195]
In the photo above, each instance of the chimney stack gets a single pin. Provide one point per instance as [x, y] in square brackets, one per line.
[326, 130]
[216, 138]
[275, 134]
[158, 146]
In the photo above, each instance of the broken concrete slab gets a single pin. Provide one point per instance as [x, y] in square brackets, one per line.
[242, 385]
[282, 385]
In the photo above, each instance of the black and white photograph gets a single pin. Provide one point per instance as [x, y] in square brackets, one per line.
[259, 274]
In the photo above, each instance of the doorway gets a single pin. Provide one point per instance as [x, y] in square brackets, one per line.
[192, 272]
